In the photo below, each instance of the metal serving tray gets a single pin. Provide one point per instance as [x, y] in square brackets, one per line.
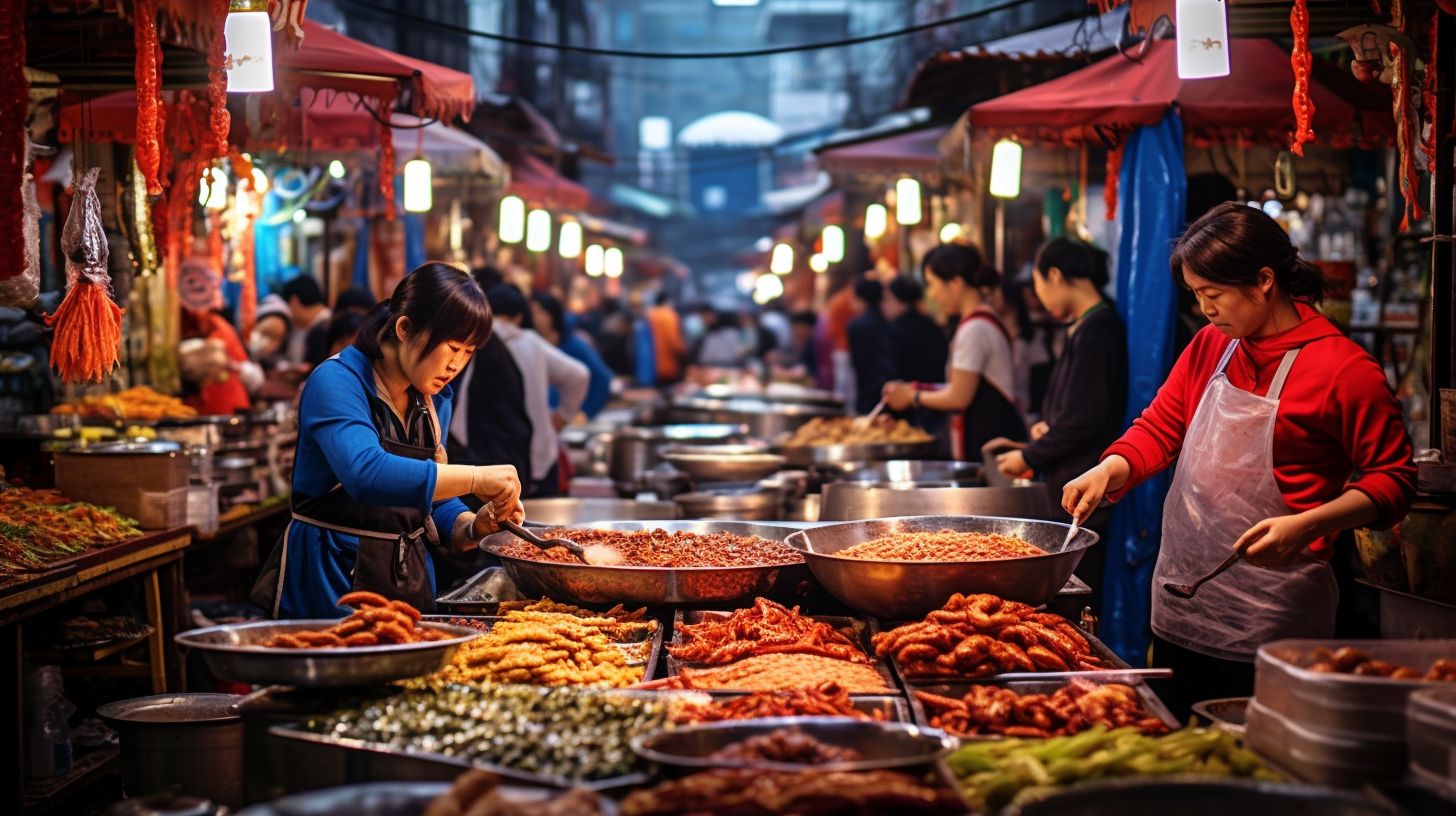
[956, 691]
[644, 648]
[230, 653]
[880, 744]
[1109, 658]
[386, 799]
[885, 707]
[481, 595]
[645, 586]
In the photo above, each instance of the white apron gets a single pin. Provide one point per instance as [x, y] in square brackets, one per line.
[1224, 485]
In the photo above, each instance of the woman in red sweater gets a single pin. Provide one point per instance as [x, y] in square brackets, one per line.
[1285, 433]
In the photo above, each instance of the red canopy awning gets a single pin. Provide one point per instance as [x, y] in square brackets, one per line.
[918, 151]
[538, 183]
[1108, 99]
[331, 60]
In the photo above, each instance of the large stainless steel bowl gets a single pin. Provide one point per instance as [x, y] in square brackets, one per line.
[880, 744]
[723, 463]
[765, 420]
[556, 512]
[636, 450]
[810, 455]
[651, 586]
[731, 503]
[234, 652]
[914, 471]
[850, 501]
[903, 590]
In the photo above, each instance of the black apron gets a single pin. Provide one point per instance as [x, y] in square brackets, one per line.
[991, 413]
[394, 542]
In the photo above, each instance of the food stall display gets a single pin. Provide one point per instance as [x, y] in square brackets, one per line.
[39, 528]
[1015, 711]
[765, 628]
[662, 548]
[822, 431]
[733, 791]
[826, 699]
[140, 403]
[553, 649]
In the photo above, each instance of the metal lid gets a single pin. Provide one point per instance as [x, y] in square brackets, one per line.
[173, 709]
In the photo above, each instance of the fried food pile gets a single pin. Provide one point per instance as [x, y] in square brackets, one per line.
[850, 431]
[617, 612]
[976, 636]
[40, 527]
[945, 545]
[378, 621]
[824, 700]
[548, 649]
[478, 793]
[781, 671]
[1349, 660]
[137, 404]
[788, 745]
[749, 792]
[764, 628]
[660, 548]
[1071, 709]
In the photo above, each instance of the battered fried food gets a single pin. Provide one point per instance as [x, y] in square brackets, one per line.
[781, 671]
[377, 620]
[824, 700]
[544, 649]
[1071, 709]
[852, 431]
[1350, 660]
[945, 545]
[977, 636]
[764, 628]
[660, 548]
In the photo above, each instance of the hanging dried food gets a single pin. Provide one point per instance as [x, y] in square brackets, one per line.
[14, 106]
[386, 161]
[218, 119]
[1109, 188]
[87, 341]
[148, 74]
[1428, 94]
[1405, 135]
[1302, 64]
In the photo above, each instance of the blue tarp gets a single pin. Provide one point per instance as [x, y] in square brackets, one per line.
[1153, 197]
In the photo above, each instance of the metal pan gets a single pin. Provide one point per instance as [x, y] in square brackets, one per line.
[1150, 701]
[901, 590]
[860, 630]
[642, 645]
[723, 463]
[883, 707]
[645, 586]
[230, 653]
[1108, 657]
[880, 744]
[481, 594]
[810, 455]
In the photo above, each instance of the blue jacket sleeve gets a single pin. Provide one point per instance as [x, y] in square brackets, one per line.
[644, 353]
[445, 512]
[334, 413]
[599, 390]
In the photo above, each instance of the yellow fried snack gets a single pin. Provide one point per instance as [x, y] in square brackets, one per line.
[557, 651]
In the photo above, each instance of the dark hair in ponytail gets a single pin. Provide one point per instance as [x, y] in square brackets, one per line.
[950, 261]
[1074, 259]
[443, 305]
[1233, 241]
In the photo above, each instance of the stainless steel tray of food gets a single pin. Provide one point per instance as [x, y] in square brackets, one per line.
[640, 641]
[859, 630]
[646, 586]
[481, 594]
[810, 455]
[886, 707]
[1145, 694]
[232, 652]
[1191, 796]
[389, 799]
[1109, 659]
[898, 590]
[877, 744]
[723, 463]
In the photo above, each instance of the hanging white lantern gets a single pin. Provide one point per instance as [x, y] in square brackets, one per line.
[818, 263]
[782, 260]
[614, 263]
[212, 190]
[336, 169]
[260, 180]
[419, 195]
[950, 232]
[832, 241]
[512, 220]
[569, 242]
[1006, 169]
[596, 261]
[1203, 40]
[877, 220]
[248, 38]
[907, 201]
[767, 288]
[538, 231]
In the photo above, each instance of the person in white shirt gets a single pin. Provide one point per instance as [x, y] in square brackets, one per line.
[542, 366]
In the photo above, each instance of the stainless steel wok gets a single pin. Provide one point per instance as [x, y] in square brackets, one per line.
[849, 501]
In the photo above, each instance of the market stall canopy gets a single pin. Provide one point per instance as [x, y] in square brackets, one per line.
[914, 152]
[541, 185]
[1107, 100]
[331, 60]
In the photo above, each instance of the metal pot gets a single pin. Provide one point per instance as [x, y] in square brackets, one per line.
[851, 501]
[765, 420]
[187, 743]
[586, 511]
[752, 504]
[635, 451]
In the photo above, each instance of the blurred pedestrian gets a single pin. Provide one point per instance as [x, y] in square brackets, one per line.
[552, 323]
[872, 349]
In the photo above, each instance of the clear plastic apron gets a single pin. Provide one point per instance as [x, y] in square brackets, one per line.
[1224, 485]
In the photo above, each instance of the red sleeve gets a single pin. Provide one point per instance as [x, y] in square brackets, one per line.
[1156, 437]
[224, 331]
[1373, 435]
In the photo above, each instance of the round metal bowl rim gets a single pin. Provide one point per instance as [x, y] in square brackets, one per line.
[947, 743]
[493, 551]
[463, 634]
[790, 542]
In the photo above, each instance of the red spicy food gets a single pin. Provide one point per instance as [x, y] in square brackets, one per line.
[1350, 660]
[751, 792]
[40, 527]
[824, 700]
[788, 745]
[660, 548]
[378, 621]
[779, 671]
[1071, 709]
[975, 636]
[764, 628]
[944, 545]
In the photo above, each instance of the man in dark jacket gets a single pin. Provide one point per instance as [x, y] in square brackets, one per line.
[871, 345]
[921, 344]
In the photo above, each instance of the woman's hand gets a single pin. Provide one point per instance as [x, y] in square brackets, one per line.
[1082, 495]
[1277, 541]
[898, 395]
[1012, 465]
[1039, 430]
[499, 489]
[485, 523]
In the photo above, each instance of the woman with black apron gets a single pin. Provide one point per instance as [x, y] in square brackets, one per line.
[979, 376]
[373, 492]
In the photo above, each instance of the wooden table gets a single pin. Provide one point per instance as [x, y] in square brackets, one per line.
[157, 559]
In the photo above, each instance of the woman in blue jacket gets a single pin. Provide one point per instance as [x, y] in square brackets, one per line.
[372, 489]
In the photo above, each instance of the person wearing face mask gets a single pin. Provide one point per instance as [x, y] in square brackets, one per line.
[272, 326]
[1285, 433]
[373, 491]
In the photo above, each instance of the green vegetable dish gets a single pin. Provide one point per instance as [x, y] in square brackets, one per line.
[993, 775]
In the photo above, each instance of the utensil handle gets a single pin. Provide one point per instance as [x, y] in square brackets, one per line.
[1221, 568]
[522, 533]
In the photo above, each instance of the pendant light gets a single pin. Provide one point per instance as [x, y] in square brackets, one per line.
[538, 231]
[818, 263]
[1006, 169]
[614, 263]
[782, 260]
[907, 201]
[950, 232]
[596, 261]
[336, 169]
[832, 241]
[248, 40]
[512, 220]
[212, 190]
[418, 185]
[568, 244]
[877, 220]
[1203, 40]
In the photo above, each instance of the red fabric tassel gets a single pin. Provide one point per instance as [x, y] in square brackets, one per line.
[1302, 64]
[219, 120]
[14, 106]
[1109, 187]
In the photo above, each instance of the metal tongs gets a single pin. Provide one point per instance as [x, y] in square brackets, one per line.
[597, 555]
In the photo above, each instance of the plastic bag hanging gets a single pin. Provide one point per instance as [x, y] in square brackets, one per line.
[87, 341]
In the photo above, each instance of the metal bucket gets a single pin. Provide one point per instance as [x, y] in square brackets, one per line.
[180, 743]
